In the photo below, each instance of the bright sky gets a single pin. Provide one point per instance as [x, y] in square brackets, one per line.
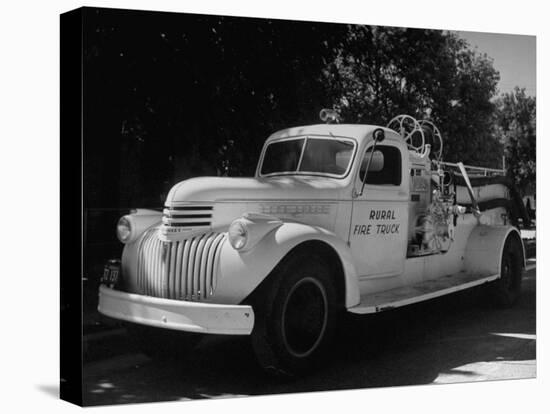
[514, 56]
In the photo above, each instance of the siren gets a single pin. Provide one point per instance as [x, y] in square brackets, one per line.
[329, 115]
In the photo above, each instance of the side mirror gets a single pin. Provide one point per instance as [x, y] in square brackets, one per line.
[372, 163]
[379, 135]
[377, 162]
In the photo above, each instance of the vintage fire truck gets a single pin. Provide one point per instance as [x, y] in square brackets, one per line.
[338, 218]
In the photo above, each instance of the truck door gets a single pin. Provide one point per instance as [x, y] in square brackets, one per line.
[379, 223]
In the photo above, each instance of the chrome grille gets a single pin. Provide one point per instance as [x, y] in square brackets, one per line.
[187, 216]
[183, 270]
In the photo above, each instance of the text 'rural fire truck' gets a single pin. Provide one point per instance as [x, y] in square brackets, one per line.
[338, 218]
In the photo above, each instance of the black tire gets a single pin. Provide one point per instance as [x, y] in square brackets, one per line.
[506, 290]
[295, 316]
[160, 343]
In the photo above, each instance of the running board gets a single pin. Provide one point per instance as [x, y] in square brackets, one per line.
[395, 298]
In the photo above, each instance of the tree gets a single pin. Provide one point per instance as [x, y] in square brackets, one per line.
[169, 96]
[516, 125]
[380, 72]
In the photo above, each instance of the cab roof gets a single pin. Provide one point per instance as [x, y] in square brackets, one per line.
[360, 132]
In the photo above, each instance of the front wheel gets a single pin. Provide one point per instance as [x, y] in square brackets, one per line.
[296, 316]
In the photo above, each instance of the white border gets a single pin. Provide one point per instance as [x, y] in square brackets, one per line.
[29, 161]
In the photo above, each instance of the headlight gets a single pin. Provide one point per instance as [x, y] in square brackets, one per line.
[124, 229]
[237, 234]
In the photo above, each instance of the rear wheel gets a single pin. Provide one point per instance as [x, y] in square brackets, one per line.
[506, 290]
[295, 319]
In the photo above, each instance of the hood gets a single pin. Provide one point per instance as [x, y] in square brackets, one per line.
[211, 189]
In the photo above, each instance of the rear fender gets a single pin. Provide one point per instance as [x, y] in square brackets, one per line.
[485, 246]
[241, 272]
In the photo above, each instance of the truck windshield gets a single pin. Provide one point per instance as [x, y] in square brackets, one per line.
[327, 156]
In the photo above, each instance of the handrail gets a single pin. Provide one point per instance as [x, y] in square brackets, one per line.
[471, 167]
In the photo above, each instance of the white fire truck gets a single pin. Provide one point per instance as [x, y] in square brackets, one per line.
[338, 218]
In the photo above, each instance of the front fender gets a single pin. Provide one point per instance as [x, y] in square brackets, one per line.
[485, 246]
[241, 272]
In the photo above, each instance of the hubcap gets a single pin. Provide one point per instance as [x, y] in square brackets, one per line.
[305, 315]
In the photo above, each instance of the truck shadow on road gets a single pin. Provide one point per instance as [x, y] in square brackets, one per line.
[437, 341]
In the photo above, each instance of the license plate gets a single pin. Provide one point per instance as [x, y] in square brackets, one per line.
[111, 273]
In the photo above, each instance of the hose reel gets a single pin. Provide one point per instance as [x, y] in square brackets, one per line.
[418, 135]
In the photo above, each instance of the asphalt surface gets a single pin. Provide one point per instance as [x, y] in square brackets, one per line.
[458, 338]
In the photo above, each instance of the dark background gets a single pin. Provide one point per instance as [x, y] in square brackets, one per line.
[169, 96]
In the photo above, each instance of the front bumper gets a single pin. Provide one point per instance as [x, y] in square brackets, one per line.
[176, 314]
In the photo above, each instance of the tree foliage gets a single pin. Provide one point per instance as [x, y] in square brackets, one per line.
[173, 96]
[516, 125]
[169, 96]
[380, 72]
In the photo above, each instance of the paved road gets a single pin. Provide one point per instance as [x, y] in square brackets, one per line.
[448, 340]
